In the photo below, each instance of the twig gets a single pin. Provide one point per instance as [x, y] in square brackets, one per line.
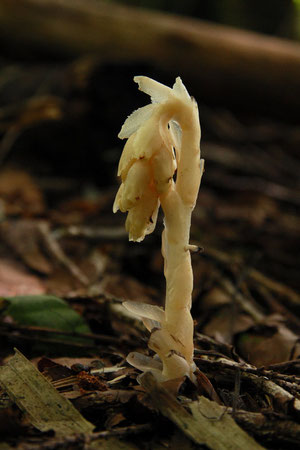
[83, 441]
[275, 286]
[260, 378]
[93, 233]
[237, 387]
[7, 328]
[55, 249]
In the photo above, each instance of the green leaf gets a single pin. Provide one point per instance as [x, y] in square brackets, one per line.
[47, 311]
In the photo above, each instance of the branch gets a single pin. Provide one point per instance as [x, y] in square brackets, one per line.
[220, 59]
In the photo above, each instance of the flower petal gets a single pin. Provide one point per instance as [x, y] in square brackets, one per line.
[176, 134]
[135, 184]
[143, 362]
[180, 90]
[135, 120]
[118, 199]
[174, 365]
[145, 310]
[164, 166]
[142, 144]
[141, 219]
[157, 91]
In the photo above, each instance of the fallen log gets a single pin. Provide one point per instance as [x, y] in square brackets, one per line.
[224, 64]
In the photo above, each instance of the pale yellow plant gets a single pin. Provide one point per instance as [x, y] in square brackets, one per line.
[163, 144]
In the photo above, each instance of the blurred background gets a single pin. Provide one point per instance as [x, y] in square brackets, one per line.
[66, 87]
[279, 17]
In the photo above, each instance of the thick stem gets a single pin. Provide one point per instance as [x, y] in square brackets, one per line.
[178, 273]
[178, 205]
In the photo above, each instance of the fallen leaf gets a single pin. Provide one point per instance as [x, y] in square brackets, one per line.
[15, 280]
[52, 370]
[114, 420]
[20, 193]
[24, 237]
[224, 325]
[34, 394]
[109, 396]
[111, 443]
[266, 344]
[10, 422]
[50, 312]
[215, 297]
[128, 288]
[203, 421]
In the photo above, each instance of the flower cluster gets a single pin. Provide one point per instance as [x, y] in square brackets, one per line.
[148, 161]
[163, 138]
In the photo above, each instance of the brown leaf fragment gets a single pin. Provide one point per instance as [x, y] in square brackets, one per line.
[224, 324]
[15, 280]
[34, 110]
[20, 194]
[34, 394]
[24, 238]
[215, 297]
[205, 385]
[89, 382]
[55, 250]
[10, 422]
[52, 370]
[252, 208]
[271, 428]
[33, 242]
[270, 343]
[111, 443]
[128, 288]
[110, 396]
[114, 420]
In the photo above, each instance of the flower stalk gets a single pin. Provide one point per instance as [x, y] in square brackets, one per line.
[164, 141]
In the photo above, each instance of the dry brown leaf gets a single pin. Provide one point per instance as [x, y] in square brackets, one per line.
[114, 420]
[23, 236]
[215, 297]
[224, 324]
[15, 280]
[252, 208]
[269, 344]
[128, 288]
[20, 193]
[45, 407]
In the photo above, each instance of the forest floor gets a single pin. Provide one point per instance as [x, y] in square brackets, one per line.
[66, 266]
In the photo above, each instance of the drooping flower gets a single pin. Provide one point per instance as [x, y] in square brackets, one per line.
[163, 138]
[148, 162]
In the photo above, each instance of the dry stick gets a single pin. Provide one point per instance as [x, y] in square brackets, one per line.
[55, 250]
[278, 307]
[271, 427]
[34, 329]
[83, 440]
[275, 286]
[260, 379]
[245, 62]
[291, 382]
[6, 330]
[241, 300]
